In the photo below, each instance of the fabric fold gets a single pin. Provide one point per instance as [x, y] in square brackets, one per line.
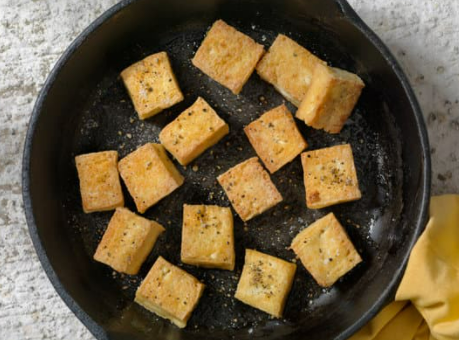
[427, 300]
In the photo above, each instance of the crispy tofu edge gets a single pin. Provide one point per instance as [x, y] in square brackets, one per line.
[313, 109]
[86, 209]
[155, 231]
[272, 168]
[175, 175]
[198, 60]
[222, 131]
[261, 68]
[156, 309]
[295, 246]
[128, 70]
[290, 267]
[222, 180]
[340, 201]
[209, 264]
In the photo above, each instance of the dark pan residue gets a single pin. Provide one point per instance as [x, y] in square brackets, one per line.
[107, 121]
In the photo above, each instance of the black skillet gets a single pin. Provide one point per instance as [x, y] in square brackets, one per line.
[83, 107]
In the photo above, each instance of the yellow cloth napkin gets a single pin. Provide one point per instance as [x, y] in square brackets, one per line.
[426, 305]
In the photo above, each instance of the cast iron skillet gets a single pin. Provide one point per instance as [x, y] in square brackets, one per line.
[83, 107]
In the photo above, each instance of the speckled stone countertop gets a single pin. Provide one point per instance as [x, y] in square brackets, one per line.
[422, 34]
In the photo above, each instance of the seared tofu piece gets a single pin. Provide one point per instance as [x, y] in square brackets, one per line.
[128, 240]
[193, 131]
[325, 250]
[169, 292]
[100, 185]
[207, 236]
[329, 176]
[330, 99]
[265, 282]
[228, 56]
[149, 175]
[249, 189]
[276, 138]
[152, 85]
[288, 66]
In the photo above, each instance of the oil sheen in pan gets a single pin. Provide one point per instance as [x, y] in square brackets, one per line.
[109, 122]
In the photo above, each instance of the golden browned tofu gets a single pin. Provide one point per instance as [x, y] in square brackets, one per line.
[276, 138]
[128, 240]
[329, 176]
[149, 175]
[169, 292]
[207, 236]
[193, 131]
[265, 282]
[288, 66]
[228, 56]
[152, 85]
[100, 185]
[330, 99]
[249, 188]
[325, 250]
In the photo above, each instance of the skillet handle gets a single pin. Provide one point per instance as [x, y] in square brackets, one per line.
[347, 10]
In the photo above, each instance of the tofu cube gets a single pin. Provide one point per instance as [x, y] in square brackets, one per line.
[276, 138]
[228, 56]
[330, 99]
[207, 236]
[149, 175]
[325, 250]
[288, 66]
[100, 185]
[265, 282]
[249, 189]
[169, 292]
[329, 176]
[128, 240]
[152, 85]
[193, 131]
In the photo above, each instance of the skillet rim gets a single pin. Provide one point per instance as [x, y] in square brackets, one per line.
[348, 14]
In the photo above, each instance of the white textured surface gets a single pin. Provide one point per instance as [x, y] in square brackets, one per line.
[423, 35]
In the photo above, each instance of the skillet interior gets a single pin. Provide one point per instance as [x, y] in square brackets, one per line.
[86, 109]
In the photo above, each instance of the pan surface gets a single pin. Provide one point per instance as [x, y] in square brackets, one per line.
[84, 107]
